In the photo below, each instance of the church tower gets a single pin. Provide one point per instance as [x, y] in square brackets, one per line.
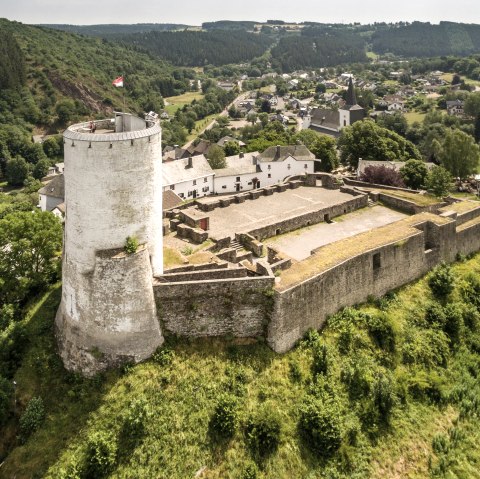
[351, 111]
[113, 190]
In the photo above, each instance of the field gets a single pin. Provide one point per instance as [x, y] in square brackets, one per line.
[173, 103]
[413, 116]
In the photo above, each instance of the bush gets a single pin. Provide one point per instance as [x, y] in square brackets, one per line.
[471, 290]
[32, 417]
[414, 173]
[224, 420]
[435, 316]
[320, 363]
[384, 396]
[453, 322]
[163, 356]
[320, 424]
[250, 471]
[131, 245]
[429, 348]
[381, 331]
[441, 281]
[357, 374]
[382, 175]
[135, 418]
[263, 432]
[101, 454]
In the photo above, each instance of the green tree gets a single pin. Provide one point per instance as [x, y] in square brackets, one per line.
[231, 148]
[216, 157]
[414, 173]
[325, 150]
[439, 181]
[396, 122]
[41, 169]
[16, 171]
[472, 105]
[28, 243]
[459, 154]
[66, 111]
[366, 140]
[52, 146]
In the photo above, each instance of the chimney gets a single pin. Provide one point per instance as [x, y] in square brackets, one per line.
[189, 162]
[277, 154]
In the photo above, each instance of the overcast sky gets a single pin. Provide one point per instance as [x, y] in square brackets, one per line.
[194, 12]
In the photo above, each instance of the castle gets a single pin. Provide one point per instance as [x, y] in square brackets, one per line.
[117, 307]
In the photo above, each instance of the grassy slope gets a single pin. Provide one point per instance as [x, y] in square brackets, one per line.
[182, 395]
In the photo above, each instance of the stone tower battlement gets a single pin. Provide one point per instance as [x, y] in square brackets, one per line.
[113, 191]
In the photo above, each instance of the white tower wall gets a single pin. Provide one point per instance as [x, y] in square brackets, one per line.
[112, 191]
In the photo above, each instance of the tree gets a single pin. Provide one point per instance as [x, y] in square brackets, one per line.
[369, 141]
[16, 171]
[252, 118]
[396, 122]
[476, 131]
[456, 80]
[29, 242]
[231, 148]
[216, 157]
[265, 106]
[439, 181]
[414, 173]
[459, 154]
[65, 110]
[472, 105]
[41, 169]
[324, 149]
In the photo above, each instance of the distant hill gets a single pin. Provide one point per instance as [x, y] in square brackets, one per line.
[216, 47]
[318, 47]
[424, 39]
[229, 25]
[61, 66]
[113, 28]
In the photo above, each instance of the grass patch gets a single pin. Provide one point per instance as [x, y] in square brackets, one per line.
[179, 101]
[419, 199]
[414, 116]
[171, 258]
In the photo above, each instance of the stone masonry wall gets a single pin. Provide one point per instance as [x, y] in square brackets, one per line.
[238, 307]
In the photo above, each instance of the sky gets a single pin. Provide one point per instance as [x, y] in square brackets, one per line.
[194, 12]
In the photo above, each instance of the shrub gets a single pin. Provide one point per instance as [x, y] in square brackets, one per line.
[427, 348]
[320, 424]
[135, 418]
[32, 417]
[453, 322]
[250, 471]
[384, 396]
[382, 175]
[471, 317]
[381, 331]
[414, 173]
[357, 374]
[435, 316]
[224, 420]
[441, 281]
[296, 375]
[320, 361]
[101, 454]
[263, 432]
[163, 356]
[470, 290]
[131, 245]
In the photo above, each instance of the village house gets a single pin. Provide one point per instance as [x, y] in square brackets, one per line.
[455, 107]
[52, 194]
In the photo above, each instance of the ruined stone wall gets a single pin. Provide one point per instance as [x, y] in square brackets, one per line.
[308, 304]
[468, 237]
[238, 307]
[311, 218]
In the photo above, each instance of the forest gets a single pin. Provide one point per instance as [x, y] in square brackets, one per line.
[217, 47]
[316, 48]
[111, 29]
[424, 39]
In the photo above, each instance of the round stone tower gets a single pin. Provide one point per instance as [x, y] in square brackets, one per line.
[113, 190]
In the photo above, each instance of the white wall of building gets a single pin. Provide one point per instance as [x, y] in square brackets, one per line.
[48, 203]
[276, 171]
[196, 188]
[236, 184]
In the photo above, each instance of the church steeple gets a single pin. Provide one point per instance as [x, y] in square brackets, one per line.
[351, 98]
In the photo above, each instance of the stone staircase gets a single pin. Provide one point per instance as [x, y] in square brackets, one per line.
[236, 245]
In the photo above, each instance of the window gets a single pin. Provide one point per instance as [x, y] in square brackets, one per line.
[181, 195]
[289, 166]
[249, 183]
[172, 187]
[238, 179]
[224, 186]
[189, 193]
[269, 175]
[194, 182]
[269, 167]
[305, 166]
[205, 179]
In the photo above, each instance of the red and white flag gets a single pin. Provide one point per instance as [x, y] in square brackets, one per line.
[118, 82]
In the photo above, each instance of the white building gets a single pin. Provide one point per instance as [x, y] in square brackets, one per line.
[190, 178]
[52, 194]
[242, 173]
